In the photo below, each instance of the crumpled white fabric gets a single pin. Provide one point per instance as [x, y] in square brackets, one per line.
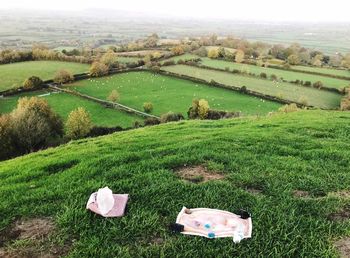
[105, 200]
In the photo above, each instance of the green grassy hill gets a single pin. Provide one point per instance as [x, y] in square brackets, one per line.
[264, 160]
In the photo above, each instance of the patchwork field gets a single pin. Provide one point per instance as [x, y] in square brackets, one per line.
[314, 97]
[13, 75]
[170, 94]
[63, 104]
[287, 75]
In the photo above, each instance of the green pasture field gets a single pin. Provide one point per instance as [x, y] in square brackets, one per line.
[286, 75]
[314, 97]
[128, 59]
[13, 75]
[169, 94]
[325, 71]
[264, 162]
[63, 104]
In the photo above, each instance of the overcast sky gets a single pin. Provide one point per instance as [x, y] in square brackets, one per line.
[270, 10]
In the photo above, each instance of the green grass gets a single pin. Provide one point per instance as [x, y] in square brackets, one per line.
[128, 59]
[314, 97]
[326, 71]
[286, 75]
[307, 151]
[63, 104]
[13, 75]
[169, 94]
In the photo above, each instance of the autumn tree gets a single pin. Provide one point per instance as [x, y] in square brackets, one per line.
[98, 69]
[32, 82]
[178, 50]
[110, 59]
[34, 124]
[213, 53]
[239, 57]
[203, 108]
[78, 124]
[63, 76]
[293, 59]
[113, 96]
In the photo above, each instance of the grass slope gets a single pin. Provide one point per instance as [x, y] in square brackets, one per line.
[307, 150]
[314, 97]
[63, 104]
[287, 75]
[170, 94]
[13, 75]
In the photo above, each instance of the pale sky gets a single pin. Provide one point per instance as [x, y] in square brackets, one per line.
[269, 10]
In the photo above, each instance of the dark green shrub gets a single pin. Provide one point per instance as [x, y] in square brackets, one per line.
[151, 121]
[318, 85]
[263, 75]
[171, 117]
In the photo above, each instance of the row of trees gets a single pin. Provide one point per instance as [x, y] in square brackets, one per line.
[40, 52]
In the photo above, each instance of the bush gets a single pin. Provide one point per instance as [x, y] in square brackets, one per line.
[289, 108]
[63, 76]
[148, 107]
[32, 82]
[136, 124]
[171, 117]
[78, 124]
[243, 89]
[151, 121]
[34, 124]
[307, 83]
[98, 69]
[180, 61]
[114, 96]
[227, 69]
[169, 62]
[273, 77]
[218, 114]
[318, 85]
[263, 75]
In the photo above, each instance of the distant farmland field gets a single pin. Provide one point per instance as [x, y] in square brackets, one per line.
[314, 97]
[13, 75]
[170, 94]
[287, 75]
[63, 104]
[331, 71]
